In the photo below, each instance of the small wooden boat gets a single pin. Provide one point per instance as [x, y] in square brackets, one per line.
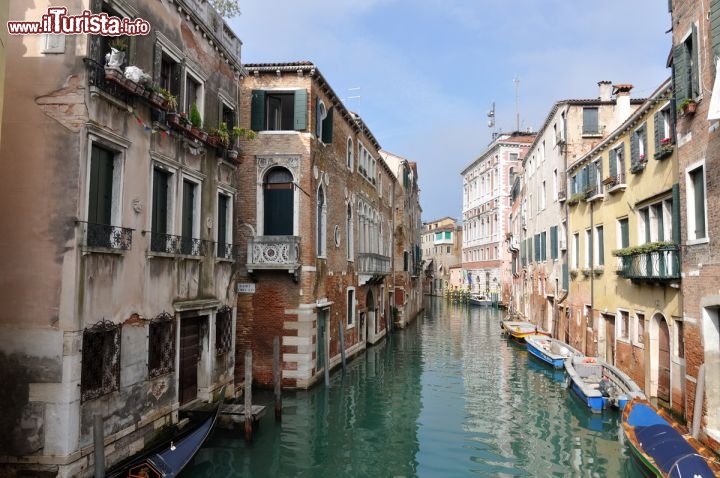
[600, 385]
[518, 329]
[168, 459]
[662, 446]
[549, 350]
[480, 300]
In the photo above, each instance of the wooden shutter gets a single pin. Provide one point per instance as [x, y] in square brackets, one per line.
[327, 129]
[101, 183]
[222, 219]
[659, 129]
[591, 175]
[300, 110]
[634, 150]
[188, 208]
[680, 66]
[715, 26]
[554, 242]
[695, 64]
[257, 111]
[676, 213]
[160, 202]
[612, 162]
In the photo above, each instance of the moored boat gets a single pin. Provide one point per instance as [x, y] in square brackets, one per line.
[662, 446]
[481, 300]
[549, 350]
[518, 329]
[599, 384]
[168, 459]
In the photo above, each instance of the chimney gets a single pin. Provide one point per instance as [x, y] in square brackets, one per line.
[622, 102]
[605, 90]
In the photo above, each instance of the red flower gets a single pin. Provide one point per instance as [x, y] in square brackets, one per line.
[665, 141]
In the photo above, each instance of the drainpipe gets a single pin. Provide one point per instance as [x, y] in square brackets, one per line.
[592, 266]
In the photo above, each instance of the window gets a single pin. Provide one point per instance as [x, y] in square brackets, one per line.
[227, 115]
[100, 370]
[278, 200]
[686, 66]
[696, 207]
[350, 307]
[223, 331]
[595, 177]
[623, 325]
[190, 218]
[599, 246]
[161, 345]
[663, 127]
[170, 72]
[588, 250]
[193, 93]
[349, 157]
[323, 122]
[161, 210]
[638, 146]
[321, 222]
[590, 121]
[623, 233]
[224, 226]
[616, 163]
[103, 201]
[406, 261]
[654, 222]
[640, 328]
[279, 111]
[349, 234]
[542, 196]
[555, 185]
[554, 242]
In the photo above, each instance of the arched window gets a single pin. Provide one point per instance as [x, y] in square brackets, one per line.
[278, 201]
[349, 233]
[321, 219]
[349, 157]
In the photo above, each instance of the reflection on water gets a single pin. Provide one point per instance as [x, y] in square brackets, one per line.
[448, 396]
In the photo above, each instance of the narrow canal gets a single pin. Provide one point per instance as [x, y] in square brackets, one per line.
[446, 397]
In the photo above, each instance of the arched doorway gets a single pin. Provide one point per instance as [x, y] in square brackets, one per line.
[663, 356]
[371, 325]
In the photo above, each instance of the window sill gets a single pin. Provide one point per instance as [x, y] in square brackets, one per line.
[279, 131]
[86, 250]
[224, 260]
[639, 345]
[95, 91]
[596, 197]
[697, 242]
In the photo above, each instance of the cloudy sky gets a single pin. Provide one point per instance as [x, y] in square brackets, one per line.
[424, 73]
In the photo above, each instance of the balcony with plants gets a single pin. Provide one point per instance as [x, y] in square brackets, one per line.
[650, 262]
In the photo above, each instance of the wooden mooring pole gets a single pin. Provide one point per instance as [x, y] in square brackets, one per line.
[248, 396]
[277, 379]
[326, 351]
[342, 344]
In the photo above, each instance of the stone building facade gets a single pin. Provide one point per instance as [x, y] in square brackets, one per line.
[314, 216]
[442, 249]
[117, 268]
[486, 213]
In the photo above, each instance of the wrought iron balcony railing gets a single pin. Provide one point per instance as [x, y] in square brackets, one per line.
[227, 251]
[170, 244]
[273, 252]
[107, 237]
[660, 265]
[96, 77]
[372, 264]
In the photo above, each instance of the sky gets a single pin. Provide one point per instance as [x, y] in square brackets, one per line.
[423, 74]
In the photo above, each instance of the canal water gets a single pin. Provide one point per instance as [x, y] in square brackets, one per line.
[446, 397]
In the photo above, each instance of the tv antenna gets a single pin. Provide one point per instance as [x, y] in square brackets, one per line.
[491, 116]
[516, 80]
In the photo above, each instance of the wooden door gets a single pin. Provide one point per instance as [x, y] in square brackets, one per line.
[189, 358]
[663, 390]
[610, 339]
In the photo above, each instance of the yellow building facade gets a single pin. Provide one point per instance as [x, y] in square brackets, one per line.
[623, 240]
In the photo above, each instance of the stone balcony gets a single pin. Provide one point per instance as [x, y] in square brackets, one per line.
[372, 267]
[273, 253]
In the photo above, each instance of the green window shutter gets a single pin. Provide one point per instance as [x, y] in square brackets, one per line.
[715, 26]
[680, 66]
[659, 130]
[543, 244]
[644, 138]
[592, 176]
[601, 246]
[676, 213]
[257, 111]
[188, 211]
[612, 162]
[634, 150]
[537, 247]
[624, 233]
[301, 110]
[222, 219]
[160, 202]
[694, 72]
[101, 182]
[565, 275]
[554, 242]
[327, 129]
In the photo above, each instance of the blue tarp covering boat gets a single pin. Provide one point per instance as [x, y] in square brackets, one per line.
[657, 441]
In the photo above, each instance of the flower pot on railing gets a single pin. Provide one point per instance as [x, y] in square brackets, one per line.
[232, 154]
[688, 106]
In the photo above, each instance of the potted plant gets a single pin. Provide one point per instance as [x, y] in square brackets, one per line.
[665, 150]
[234, 134]
[688, 106]
[195, 118]
[115, 58]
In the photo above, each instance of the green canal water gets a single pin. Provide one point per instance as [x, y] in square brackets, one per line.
[446, 397]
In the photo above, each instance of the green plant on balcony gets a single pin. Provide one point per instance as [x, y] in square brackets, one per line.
[576, 198]
[195, 118]
[687, 106]
[169, 97]
[573, 273]
[643, 248]
[587, 272]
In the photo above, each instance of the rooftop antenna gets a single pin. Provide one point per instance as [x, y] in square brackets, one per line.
[491, 116]
[516, 80]
[354, 97]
